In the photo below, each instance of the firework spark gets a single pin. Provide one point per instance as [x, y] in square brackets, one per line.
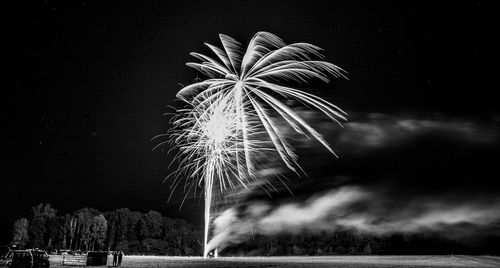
[233, 116]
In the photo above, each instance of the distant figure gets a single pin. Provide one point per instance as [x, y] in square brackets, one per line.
[115, 258]
[120, 257]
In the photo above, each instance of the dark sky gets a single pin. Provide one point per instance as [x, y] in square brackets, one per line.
[88, 82]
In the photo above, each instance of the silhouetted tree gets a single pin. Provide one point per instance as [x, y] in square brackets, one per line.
[85, 218]
[37, 229]
[56, 232]
[150, 225]
[122, 223]
[70, 224]
[98, 232]
[20, 232]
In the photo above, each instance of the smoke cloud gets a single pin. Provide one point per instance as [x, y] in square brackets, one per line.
[356, 209]
[381, 130]
[396, 174]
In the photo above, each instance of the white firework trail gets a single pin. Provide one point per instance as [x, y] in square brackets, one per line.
[232, 116]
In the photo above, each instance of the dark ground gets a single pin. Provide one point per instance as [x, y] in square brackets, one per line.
[307, 261]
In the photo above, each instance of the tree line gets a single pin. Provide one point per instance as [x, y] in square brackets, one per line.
[152, 233]
[122, 229]
[351, 242]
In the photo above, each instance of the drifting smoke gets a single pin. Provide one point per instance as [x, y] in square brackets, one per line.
[387, 199]
[355, 209]
[381, 130]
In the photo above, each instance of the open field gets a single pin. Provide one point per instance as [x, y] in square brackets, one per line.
[306, 261]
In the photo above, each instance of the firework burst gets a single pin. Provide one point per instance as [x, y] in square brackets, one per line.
[233, 115]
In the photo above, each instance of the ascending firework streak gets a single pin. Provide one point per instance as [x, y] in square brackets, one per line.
[233, 114]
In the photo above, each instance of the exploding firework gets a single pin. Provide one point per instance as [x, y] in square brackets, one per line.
[233, 116]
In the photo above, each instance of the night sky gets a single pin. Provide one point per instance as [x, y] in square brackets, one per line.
[88, 83]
